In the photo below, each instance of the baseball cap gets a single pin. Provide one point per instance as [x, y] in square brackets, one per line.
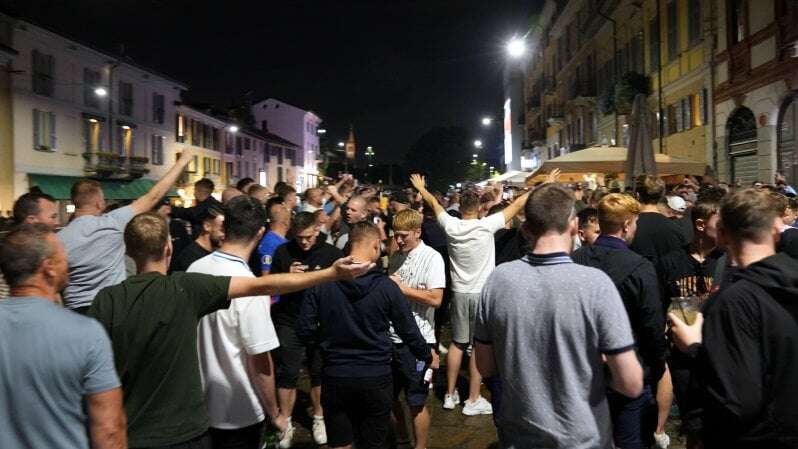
[677, 203]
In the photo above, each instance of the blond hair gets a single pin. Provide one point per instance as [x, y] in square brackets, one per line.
[407, 220]
[613, 211]
[146, 236]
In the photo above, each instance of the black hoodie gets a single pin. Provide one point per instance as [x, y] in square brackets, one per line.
[350, 320]
[747, 367]
[636, 280]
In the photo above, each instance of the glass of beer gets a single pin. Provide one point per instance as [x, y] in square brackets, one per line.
[685, 308]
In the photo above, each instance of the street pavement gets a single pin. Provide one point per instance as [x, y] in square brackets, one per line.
[450, 429]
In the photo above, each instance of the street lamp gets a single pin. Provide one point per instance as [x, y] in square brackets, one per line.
[340, 144]
[233, 129]
[487, 121]
[516, 47]
[100, 91]
[321, 131]
[478, 144]
[475, 155]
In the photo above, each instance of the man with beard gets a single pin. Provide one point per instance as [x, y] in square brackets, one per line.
[208, 240]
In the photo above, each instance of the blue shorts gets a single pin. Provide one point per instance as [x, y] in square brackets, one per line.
[634, 420]
[408, 375]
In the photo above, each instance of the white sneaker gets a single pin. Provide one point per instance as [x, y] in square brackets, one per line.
[479, 407]
[319, 430]
[288, 436]
[451, 400]
[662, 440]
[442, 350]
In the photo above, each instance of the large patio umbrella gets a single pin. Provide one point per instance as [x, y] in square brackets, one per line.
[575, 166]
[640, 154]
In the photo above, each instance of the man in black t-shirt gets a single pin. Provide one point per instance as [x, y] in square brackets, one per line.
[209, 239]
[656, 235]
[690, 271]
[302, 253]
[152, 321]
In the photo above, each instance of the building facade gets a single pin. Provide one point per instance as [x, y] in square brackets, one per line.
[295, 125]
[590, 59]
[81, 112]
[755, 88]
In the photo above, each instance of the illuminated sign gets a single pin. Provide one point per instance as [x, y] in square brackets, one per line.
[508, 133]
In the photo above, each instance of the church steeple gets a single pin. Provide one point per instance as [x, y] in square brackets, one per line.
[351, 147]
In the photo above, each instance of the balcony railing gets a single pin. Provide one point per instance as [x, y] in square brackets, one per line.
[108, 165]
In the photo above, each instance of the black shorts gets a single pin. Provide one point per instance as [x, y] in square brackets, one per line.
[357, 410]
[290, 356]
[408, 375]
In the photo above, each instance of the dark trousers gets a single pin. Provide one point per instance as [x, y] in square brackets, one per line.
[201, 442]
[357, 410]
[244, 438]
[634, 420]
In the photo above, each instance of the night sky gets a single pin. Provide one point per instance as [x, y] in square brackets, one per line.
[392, 68]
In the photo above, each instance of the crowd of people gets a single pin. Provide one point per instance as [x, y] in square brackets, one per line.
[585, 312]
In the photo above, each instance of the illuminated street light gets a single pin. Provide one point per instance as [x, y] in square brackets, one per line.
[232, 128]
[475, 156]
[516, 47]
[100, 91]
[321, 131]
[477, 143]
[340, 144]
[487, 121]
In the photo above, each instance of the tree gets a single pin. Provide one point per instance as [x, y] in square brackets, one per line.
[443, 154]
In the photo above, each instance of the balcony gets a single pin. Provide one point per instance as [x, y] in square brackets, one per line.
[107, 165]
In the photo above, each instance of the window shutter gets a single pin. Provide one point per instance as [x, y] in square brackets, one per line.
[36, 129]
[52, 130]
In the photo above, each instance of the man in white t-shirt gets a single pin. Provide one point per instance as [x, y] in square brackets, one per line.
[234, 344]
[422, 278]
[473, 257]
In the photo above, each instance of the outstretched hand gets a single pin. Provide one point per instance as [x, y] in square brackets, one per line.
[347, 268]
[418, 181]
[553, 177]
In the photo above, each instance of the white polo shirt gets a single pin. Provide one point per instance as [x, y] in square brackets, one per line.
[225, 339]
[422, 269]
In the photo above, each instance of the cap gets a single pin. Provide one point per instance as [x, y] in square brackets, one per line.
[677, 203]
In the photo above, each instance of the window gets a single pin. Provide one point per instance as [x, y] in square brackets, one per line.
[266, 153]
[206, 166]
[279, 155]
[238, 169]
[693, 21]
[91, 135]
[91, 81]
[125, 98]
[43, 73]
[280, 174]
[158, 103]
[217, 167]
[653, 43]
[246, 169]
[228, 168]
[156, 150]
[264, 125]
[704, 105]
[673, 30]
[124, 141]
[239, 144]
[43, 130]
[247, 143]
[207, 136]
[738, 19]
[196, 133]
[180, 128]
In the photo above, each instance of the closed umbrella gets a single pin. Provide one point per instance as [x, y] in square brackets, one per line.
[640, 156]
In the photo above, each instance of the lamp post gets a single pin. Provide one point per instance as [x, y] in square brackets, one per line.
[369, 154]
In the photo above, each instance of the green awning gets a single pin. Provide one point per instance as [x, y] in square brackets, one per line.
[59, 187]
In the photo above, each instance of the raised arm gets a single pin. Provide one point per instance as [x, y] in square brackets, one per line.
[516, 206]
[282, 283]
[420, 184]
[161, 188]
[107, 422]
